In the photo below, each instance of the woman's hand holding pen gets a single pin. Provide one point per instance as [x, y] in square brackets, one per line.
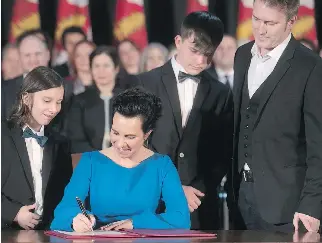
[82, 224]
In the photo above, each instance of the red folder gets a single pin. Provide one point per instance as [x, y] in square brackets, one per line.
[138, 233]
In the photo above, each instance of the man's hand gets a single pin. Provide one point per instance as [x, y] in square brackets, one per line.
[26, 219]
[311, 224]
[192, 195]
[307, 237]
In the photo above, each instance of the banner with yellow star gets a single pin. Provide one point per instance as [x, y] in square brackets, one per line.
[130, 22]
[25, 16]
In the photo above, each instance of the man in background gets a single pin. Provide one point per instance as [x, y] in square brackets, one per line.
[11, 66]
[70, 37]
[223, 61]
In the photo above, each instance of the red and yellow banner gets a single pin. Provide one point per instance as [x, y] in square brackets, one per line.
[130, 22]
[197, 5]
[303, 28]
[72, 13]
[25, 16]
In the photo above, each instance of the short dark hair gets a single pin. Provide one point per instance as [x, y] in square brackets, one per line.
[39, 79]
[290, 7]
[137, 102]
[107, 50]
[207, 30]
[71, 30]
[34, 32]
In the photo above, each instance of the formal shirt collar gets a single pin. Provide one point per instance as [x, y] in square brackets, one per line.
[222, 73]
[176, 67]
[276, 53]
[40, 133]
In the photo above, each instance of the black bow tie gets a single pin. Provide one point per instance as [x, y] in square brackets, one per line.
[28, 133]
[183, 76]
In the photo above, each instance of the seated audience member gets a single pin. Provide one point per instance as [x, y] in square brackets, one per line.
[153, 56]
[129, 55]
[36, 164]
[89, 118]
[222, 68]
[83, 77]
[11, 66]
[70, 37]
[126, 181]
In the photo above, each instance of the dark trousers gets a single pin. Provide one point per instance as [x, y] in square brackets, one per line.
[250, 213]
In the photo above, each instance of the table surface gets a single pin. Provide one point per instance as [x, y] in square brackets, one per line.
[222, 236]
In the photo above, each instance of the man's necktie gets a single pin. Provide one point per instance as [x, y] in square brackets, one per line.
[183, 76]
[28, 133]
[227, 81]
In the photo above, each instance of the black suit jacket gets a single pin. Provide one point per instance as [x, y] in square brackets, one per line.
[202, 150]
[86, 121]
[10, 89]
[62, 70]
[17, 187]
[287, 134]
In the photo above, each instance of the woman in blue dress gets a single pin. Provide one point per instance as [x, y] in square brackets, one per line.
[126, 181]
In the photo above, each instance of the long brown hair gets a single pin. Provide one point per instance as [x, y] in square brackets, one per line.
[39, 79]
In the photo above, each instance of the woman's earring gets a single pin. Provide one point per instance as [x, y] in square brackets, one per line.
[146, 143]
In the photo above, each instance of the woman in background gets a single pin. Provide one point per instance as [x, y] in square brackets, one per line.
[153, 56]
[89, 118]
[83, 76]
[126, 181]
[129, 54]
[36, 164]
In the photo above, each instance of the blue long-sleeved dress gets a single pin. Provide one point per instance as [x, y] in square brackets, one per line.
[118, 193]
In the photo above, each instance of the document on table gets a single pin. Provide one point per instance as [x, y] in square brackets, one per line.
[91, 233]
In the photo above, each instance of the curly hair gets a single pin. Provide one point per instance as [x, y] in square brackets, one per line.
[137, 102]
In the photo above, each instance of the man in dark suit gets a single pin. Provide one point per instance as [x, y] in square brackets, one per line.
[70, 37]
[277, 167]
[196, 127]
[17, 185]
[223, 61]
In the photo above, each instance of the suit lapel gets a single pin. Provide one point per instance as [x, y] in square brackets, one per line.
[47, 163]
[239, 80]
[275, 77]
[201, 94]
[170, 84]
[23, 154]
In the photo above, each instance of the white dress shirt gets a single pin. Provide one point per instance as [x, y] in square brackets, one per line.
[35, 152]
[262, 66]
[223, 76]
[186, 90]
